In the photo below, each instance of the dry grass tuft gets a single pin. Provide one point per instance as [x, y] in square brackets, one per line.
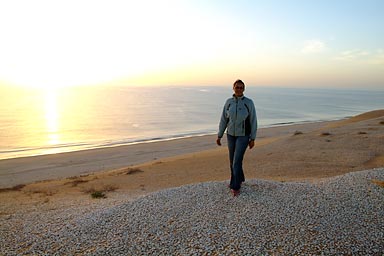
[76, 182]
[361, 133]
[325, 134]
[14, 188]
[44, 192]
[298, 133]
[133, 171]
[73, 177]
[109, 188]
[88, 190]
[378, 182]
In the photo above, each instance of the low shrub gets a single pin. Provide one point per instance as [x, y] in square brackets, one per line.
[98, 194]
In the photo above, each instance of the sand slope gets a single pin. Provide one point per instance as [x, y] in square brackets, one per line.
[289, 153]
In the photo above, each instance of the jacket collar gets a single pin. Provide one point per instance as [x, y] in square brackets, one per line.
[240, 98]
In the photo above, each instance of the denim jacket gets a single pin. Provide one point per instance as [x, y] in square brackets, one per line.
[238, 117]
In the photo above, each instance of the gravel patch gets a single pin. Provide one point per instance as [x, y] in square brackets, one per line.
[341, 215]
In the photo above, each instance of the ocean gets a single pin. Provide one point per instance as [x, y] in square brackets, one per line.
[46, 121]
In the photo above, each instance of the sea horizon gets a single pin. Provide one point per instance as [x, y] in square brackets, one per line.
[73, 119]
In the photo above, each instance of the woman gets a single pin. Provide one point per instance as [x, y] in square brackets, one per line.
[240, 121]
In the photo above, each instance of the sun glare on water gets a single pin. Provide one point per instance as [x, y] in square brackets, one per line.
[52, 117]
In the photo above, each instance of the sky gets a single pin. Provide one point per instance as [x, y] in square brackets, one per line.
[295, 43]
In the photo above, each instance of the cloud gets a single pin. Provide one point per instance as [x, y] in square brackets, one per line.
[352, 55]
[313, 46]
[358, 55]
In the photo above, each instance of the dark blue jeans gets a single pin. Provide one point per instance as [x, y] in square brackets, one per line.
[236, 147]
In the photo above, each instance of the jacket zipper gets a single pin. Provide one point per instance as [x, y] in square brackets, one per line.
[236, 115]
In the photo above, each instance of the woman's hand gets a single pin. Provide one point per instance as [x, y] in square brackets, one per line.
[218, 141]
[251, 144]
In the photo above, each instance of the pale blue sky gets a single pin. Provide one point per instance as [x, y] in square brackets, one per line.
[348, 22]
[307, 43]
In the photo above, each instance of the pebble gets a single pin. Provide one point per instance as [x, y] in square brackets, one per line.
[343, 215]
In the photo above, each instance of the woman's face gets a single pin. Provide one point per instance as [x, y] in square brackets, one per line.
[238, 89]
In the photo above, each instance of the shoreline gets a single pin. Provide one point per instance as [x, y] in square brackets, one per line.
[76, 147]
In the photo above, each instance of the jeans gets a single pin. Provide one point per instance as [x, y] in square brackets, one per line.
[236, 147]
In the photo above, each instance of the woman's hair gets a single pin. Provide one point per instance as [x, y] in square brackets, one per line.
[238, 81]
